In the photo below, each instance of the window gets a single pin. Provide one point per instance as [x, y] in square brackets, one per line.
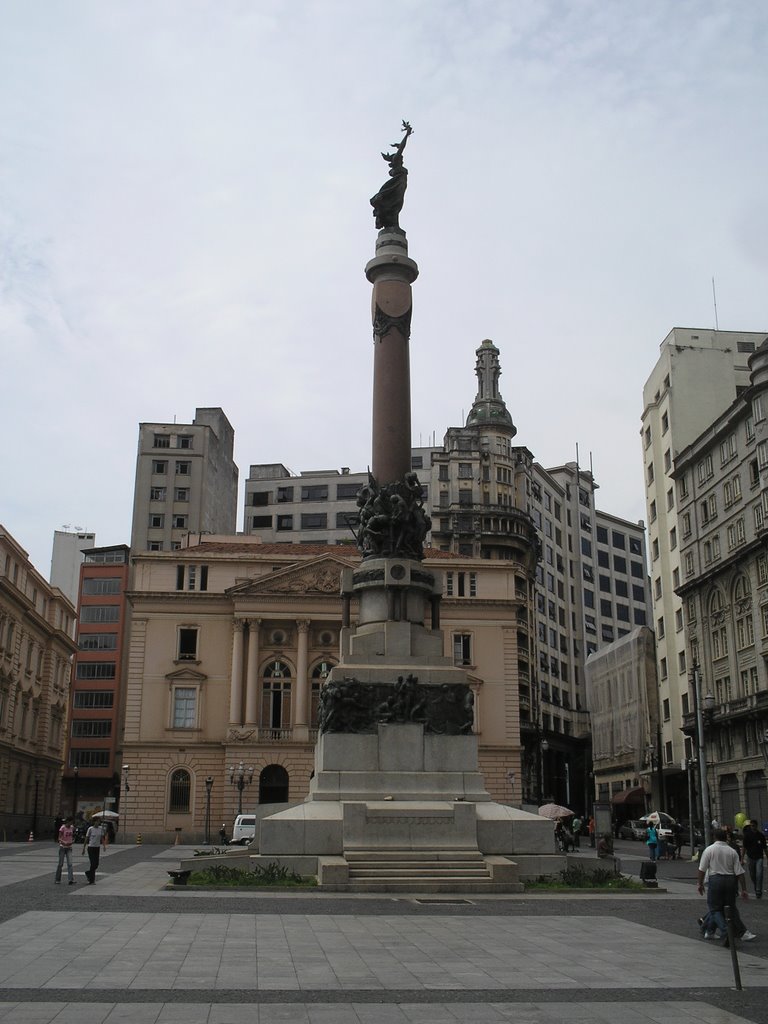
[667, 460]
[660, 628]
[650, 473]
[652, 511]
[665, 709]
[346, 491]
[315, 492]
[100, 613]
[179, 790]
[183, 440]
[285, 522]
[605, 584]
[728, 449]
[155, 545]
[85, 728]
[465, 497]
[620, 564]
[678, 619]
[762, 454]
[664, 422]
[276, 696]
[639, 617]
[156, 521]
[159, 466]
[663, 668]
[462, 648]
[285, 494]
[622, 612]
[638, 593]
[622, 590]
[762, 569]
[758, 514]
[673, 538]
[187, 643]
[97, 641]
[96, 670]
[655, 548]
[161, 441]
[261, 521]
[314, 520]
[93, 699]
[184, 707]
[157, 493]
[465, 471]
[101, 585]
[603, 559]
[682, 483]
[689, 563]
[89, 758]
[183, 468]
[606, 608]
[259, 499]
[586, 547]
[179, 522]
[636, 570]
[686, 524]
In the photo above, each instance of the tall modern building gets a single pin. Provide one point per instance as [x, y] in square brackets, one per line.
[66, 558]
[37, 625]
[186, 481]
[699, 374]
[580, 573]
[92, 767]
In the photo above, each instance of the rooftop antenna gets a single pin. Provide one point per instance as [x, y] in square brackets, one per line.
[714, 302]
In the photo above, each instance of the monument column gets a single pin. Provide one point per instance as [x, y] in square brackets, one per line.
[236, 680]
[300, 725]
[252, 673]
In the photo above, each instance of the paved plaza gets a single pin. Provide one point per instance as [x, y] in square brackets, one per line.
[128, 949]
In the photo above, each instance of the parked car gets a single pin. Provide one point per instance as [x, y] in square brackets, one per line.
[244, 830]
[633, 830]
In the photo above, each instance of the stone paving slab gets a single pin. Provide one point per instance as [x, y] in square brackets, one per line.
[692, 1012]
[38, 859]
[325, 952]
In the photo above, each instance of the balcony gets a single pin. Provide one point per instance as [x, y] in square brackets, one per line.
[275, 735]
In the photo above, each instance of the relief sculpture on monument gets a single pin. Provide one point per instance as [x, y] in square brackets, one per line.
[349, 706]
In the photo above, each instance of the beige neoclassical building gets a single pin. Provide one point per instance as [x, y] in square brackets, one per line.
[230, 641]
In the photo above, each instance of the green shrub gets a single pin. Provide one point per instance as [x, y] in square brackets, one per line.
[270, 874]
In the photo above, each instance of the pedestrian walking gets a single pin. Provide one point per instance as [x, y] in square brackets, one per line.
[576, 825]
[66, 837]
[223, 834]
[94, 840]
[591, 830]
[652, 841]
[755, 851]
[721, 866]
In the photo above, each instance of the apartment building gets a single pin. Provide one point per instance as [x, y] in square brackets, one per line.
[37, 625]
[698, 375]
[92, 766]
[186, 481]
[721, 482]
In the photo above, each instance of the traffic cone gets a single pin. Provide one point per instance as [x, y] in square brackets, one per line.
[139, 839]
[31, 838]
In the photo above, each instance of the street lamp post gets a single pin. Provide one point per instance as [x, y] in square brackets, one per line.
[126, 772]
[240, 777]
[543, 748]
[76, 776]
[709, 703]
[208, 788]
[34, 809]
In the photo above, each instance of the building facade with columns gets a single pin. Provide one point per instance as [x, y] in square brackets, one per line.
[230, 641]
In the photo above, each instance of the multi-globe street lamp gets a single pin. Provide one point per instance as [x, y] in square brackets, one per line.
[208, 788]
[240, 777]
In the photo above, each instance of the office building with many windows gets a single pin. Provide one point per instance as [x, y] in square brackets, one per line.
[698, 375]
[186, 481]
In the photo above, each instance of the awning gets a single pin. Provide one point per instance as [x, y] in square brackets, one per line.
[629, 796]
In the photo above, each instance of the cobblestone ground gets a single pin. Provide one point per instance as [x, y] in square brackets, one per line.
[127, 949]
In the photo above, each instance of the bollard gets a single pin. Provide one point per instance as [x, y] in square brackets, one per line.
[138, 839]
[732, 947]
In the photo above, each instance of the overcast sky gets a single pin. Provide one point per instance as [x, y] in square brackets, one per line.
[184, 221]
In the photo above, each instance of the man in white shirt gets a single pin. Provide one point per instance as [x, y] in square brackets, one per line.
[726, 875]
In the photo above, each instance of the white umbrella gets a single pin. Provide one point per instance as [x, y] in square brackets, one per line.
[659, 818]
[554, 811]
[105, 814]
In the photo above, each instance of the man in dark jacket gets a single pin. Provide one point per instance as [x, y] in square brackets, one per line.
[755, 850]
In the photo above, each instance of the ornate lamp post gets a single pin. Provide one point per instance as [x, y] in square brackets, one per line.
[699, 706]
[208, 788]
[76, 776]
[34, 811]
[240, 777]
[126, 771]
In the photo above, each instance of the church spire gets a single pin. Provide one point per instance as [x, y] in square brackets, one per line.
[489, 408]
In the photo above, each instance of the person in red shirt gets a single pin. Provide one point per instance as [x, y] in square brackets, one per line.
[66, 838]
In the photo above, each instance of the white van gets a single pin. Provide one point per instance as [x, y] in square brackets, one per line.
[244, 830]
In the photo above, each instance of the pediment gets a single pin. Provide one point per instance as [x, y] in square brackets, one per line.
[319, 576]
[186, 674]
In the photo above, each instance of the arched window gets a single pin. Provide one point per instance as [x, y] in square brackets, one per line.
[718, 629]
[181, 785]
[319, 675]
[742, 606]
[276, 696]
[273, 785]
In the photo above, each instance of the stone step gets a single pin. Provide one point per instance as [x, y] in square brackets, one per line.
[426, 872]
[454, 886]
[398, 856]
